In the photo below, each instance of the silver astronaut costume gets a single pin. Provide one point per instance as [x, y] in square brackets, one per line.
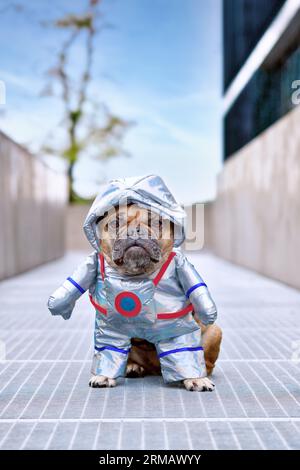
[157, 308]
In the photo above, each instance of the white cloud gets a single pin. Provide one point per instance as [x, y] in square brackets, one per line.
[27, 84]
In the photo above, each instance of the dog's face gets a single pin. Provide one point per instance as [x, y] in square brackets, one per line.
[135, 240]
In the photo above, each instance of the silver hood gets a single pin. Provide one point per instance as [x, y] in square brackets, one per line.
[148, 191]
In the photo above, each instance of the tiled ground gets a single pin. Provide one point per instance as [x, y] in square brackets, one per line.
[45, 401]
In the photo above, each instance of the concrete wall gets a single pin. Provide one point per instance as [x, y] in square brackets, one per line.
[32, 210]
[75, 237]
[255, 220]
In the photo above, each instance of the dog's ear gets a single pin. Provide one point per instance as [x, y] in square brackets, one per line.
[101, 218]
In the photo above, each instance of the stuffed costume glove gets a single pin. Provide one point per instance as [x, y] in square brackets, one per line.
[63, 300]
[196, 290]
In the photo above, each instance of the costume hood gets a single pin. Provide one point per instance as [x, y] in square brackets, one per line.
[147, 191]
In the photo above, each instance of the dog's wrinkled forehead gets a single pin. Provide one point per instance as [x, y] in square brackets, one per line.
[133, 220]
[126, 213]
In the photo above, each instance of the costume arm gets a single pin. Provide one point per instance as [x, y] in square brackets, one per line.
[196, 290]
[63, 300]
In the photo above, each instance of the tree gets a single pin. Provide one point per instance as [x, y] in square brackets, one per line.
[90, 127]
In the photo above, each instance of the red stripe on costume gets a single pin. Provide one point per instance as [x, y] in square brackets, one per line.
[163, 268]
[180, 313]
[97, 306]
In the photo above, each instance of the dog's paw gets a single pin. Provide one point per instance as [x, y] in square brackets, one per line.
[199, 385]
[134, 370]
[100, 381]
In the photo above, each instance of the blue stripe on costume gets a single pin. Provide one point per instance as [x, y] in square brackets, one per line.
[76, 285]
[191, 289]
[113, 348]
[172, 351]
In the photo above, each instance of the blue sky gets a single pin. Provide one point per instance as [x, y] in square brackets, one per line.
[160, 66]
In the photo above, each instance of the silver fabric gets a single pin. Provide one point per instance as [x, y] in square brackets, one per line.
[167, 334]
[204, 306]
[113, 330]
[186, 360]
[62, 301]
[184, 354]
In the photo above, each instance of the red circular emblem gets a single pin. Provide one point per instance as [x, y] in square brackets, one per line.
[128, 304]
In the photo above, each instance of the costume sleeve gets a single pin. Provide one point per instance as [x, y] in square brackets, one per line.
[195, 290]
[63, 300]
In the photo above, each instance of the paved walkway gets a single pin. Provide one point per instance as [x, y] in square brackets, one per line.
[45, 401]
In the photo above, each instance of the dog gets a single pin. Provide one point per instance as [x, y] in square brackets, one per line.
[144, 255]
[154, 313]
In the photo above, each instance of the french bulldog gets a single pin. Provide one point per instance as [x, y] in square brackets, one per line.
[138, 241]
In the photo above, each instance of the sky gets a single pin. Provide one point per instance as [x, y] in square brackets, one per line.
[159, 66]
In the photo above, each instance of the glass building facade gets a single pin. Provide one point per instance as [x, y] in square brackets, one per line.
[267, 96]
[244, 22]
